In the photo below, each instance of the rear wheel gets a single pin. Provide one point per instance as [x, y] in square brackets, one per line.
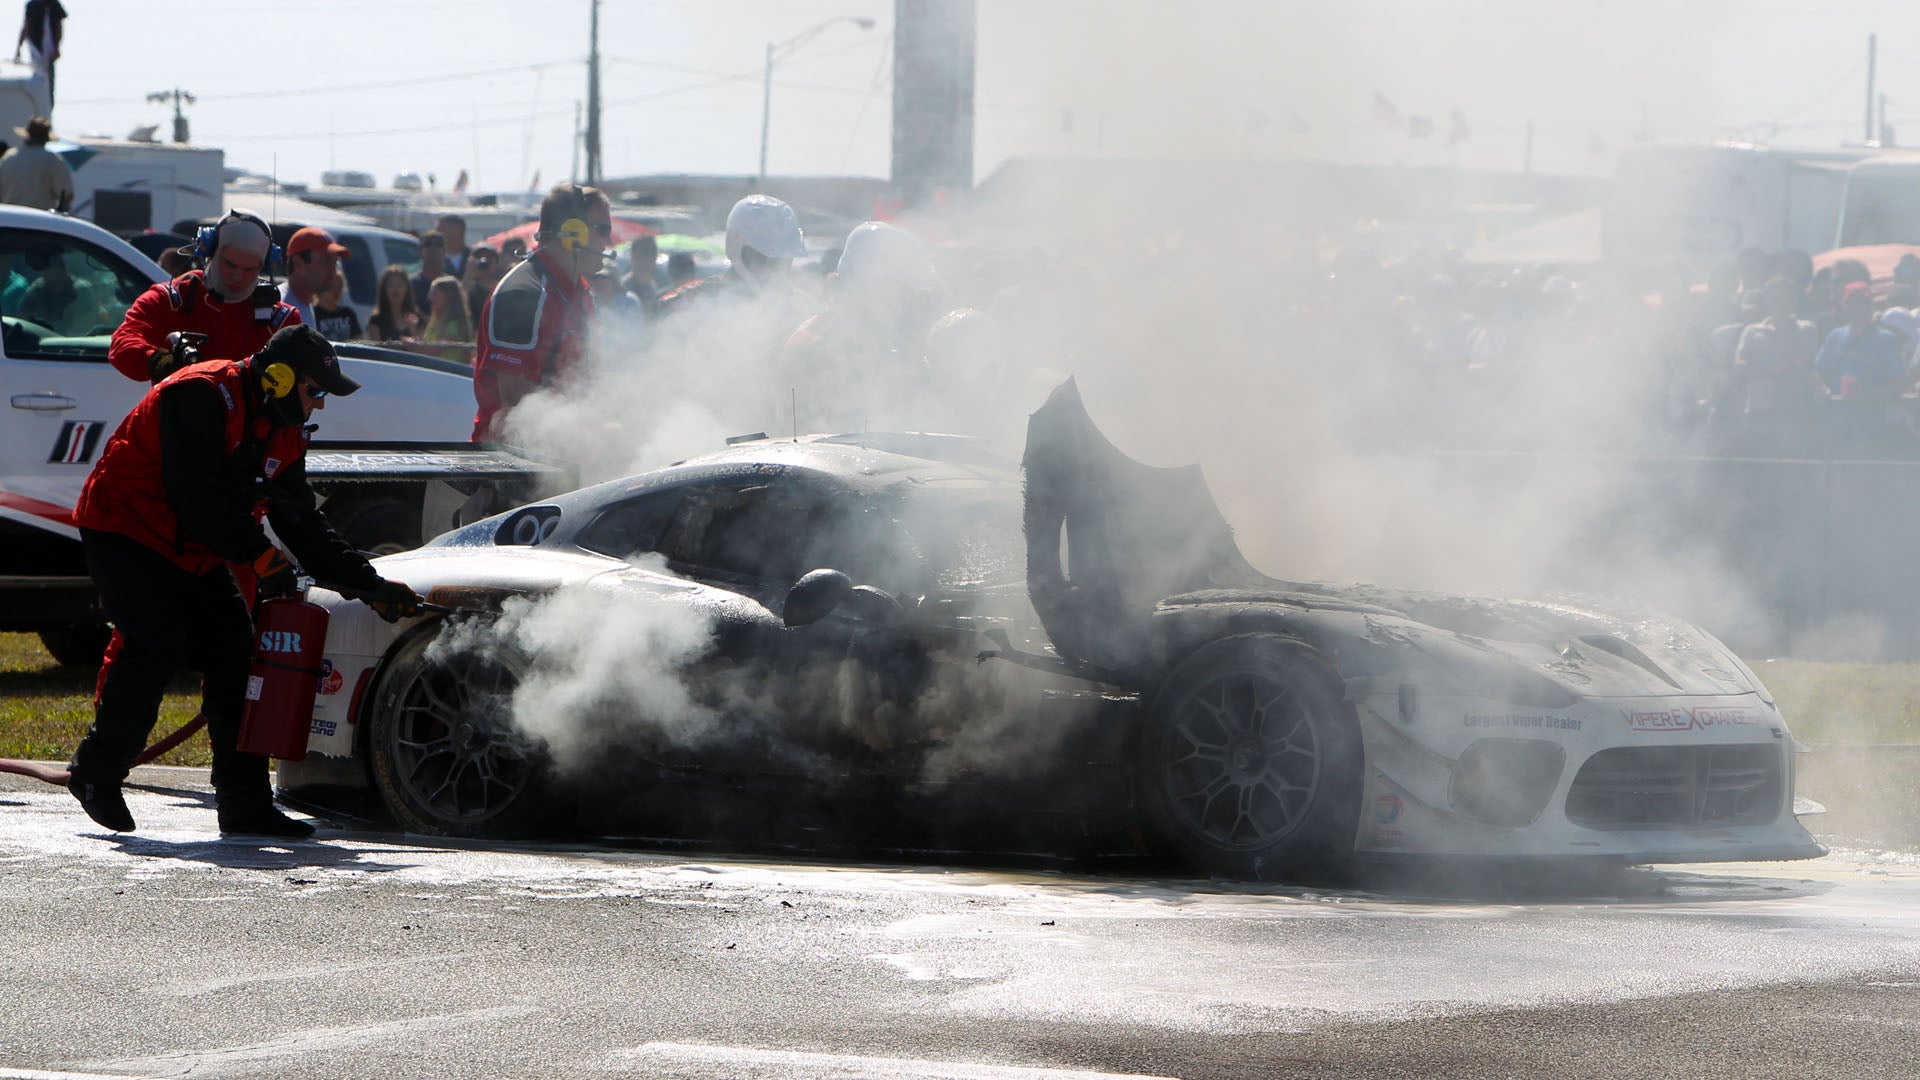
[77, 646]
[1250, 762]
[448, 759]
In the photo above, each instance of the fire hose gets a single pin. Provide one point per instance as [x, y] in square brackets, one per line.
[58, 774]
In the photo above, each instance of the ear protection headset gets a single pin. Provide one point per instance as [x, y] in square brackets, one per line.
[278, 380]
[206, 242]
[572, 233]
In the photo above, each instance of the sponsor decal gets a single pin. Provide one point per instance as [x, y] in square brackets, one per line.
[1698, 718]
[1386, 808]
[223, 393]
[1386, 836]
[330, 679]
[254, 685]
[323, 727]
[272, 466]
[280, 641]
[78, 439]
[1519, 720]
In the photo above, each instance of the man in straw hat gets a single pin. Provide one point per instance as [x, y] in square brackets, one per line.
[33, 175]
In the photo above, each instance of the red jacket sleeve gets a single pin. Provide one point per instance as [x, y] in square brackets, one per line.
[148, 322]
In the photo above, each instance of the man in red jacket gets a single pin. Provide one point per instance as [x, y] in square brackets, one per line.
[169, 505]
[223, 303]
[533, 331]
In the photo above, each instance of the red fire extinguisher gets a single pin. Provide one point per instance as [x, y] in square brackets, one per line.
[289, 636]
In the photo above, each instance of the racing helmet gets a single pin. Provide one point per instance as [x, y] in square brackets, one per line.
[767, 227]
[879, 257]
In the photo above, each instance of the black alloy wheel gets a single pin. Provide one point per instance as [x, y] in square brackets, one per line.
[1250, 761]
[448, 758]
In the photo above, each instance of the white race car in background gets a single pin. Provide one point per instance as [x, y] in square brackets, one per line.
[1154, 689]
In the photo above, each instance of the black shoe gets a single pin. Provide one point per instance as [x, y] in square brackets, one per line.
[103, 803]
[260, 820]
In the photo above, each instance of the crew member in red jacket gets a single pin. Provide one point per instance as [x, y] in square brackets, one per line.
[223, 303]
[533, 331]
[171, 502]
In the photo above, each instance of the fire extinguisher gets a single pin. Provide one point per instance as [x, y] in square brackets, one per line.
[289, 636]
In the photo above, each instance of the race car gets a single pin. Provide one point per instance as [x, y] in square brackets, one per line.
[901, 639]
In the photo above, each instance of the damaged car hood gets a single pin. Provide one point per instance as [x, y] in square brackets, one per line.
[1111, 541]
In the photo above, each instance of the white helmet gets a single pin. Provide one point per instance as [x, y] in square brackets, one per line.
[765, 225]
[879, 255]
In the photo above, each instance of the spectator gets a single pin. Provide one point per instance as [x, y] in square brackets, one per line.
[483, 273]
[32, 175]
[512, 250]
[453, 230]
[447, 317]
[1773, 362]
[335, 320]
[312, 258]
[433, 263]
[645, 253]
[622, 318]
[395, 316]
[41, 29]
[1861, 358]
[680, 269]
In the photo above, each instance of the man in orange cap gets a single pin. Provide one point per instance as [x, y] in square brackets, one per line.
[312, 256]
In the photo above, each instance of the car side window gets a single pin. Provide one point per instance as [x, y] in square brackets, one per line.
[403, 253]
[772, 530]
[358, 268]
[62, 296]
[634, 527]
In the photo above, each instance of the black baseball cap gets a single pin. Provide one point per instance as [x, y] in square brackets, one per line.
[303, 349]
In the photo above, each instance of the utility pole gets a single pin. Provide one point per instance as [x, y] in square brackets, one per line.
[1872, 40]
[178, 97]
[593, 98]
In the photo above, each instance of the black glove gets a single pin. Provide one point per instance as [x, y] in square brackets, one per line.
[182, 349]
[274, 573]
[394, 601]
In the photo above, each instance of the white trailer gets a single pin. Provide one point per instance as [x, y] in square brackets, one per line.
[130, 187]
[1703, 203]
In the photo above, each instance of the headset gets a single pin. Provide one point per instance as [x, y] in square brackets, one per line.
[278, 380]
[206, 242]
[572, 233]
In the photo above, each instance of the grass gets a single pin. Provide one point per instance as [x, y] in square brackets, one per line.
[45, 708]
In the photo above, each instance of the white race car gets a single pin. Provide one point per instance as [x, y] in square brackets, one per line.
[978, 689]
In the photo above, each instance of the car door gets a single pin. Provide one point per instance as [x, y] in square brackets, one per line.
[61, 297]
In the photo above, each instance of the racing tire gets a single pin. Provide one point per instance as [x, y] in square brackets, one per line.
[378, 526]
[444, 751]
[1249, 763]
[77, 646]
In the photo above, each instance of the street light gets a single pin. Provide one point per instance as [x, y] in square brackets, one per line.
[777, 51]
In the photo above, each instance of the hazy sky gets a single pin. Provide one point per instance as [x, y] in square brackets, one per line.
[491, 85]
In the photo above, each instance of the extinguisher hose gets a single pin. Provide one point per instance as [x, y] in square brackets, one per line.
[58, 774]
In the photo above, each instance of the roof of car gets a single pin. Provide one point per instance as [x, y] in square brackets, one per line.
[870, 462]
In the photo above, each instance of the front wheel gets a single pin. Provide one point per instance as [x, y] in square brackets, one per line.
[448, 759]
[1250, 762]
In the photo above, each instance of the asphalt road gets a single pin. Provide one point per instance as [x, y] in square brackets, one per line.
[173, 952]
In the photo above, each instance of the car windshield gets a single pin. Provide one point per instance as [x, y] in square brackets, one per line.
[968, 537]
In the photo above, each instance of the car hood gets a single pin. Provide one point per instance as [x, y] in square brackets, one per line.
[1111, 541]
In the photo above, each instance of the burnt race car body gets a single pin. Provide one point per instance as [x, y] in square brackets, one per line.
[1086, 647]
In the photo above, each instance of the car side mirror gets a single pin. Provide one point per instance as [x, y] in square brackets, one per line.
[814, 596]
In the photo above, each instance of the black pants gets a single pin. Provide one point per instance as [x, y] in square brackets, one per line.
[169, 620]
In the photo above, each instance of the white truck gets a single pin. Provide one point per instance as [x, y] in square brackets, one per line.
[391, 463]
[1699, 204]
